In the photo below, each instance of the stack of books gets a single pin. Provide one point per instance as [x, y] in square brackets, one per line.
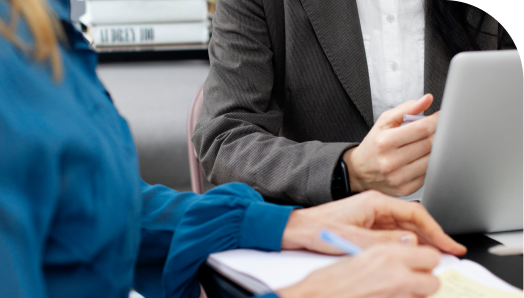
[146, 24]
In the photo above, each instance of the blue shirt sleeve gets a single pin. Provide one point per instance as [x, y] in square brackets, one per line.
[27, 201]
[179, 231]
[271, 295]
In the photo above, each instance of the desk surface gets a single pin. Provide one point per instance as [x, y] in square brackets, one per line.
[509, 268]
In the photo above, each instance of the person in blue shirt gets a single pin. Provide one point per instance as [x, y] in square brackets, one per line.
[76, 220]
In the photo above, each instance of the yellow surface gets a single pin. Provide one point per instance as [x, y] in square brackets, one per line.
[455, 285]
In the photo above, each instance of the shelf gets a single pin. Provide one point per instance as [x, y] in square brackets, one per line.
[151, 48]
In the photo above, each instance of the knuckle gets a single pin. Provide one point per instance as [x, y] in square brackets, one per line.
[420, 128]
[382, 142]
[429, 253]
[418, 211]
[426, 129]
[429, 144]
[394, 181]
[390, 254]
[399, 283]
[410, 188]
[434, 283]
[394, 192]
[385, 115]
[382, 254]
[430, 130]
[404, 190]
[385, 166]
[434, 256]
[377, 250]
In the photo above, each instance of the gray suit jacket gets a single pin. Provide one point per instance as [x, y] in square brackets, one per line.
[288, 92]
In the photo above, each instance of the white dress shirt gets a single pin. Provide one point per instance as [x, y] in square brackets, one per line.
[393, 32]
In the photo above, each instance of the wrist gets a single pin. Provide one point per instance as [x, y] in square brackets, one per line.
[296, 233]
[340, 181]
[354, 181]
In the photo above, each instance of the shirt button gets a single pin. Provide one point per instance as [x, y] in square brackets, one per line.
[394, 66]
[390, 18]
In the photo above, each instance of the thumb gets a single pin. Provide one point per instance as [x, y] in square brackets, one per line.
[394, 117]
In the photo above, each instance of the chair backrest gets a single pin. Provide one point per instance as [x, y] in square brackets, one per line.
[197, 179]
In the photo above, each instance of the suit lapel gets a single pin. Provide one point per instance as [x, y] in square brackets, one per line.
[437, 58]
[331, 20]
[436, 64]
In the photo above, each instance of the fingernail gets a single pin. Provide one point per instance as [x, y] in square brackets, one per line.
[408, 239]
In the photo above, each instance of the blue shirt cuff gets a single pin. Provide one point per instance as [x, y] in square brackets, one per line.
[263, 226]
[270, 295]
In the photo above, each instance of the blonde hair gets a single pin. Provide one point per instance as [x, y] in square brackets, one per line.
[44, 27]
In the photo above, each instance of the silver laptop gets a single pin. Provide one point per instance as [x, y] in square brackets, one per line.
[474, 178]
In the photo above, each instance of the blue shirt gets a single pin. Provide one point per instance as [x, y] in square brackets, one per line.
[76, 220]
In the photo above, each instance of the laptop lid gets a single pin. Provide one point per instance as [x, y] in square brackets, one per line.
[474, 181]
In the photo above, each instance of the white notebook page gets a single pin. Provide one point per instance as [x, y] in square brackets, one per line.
[263, 272]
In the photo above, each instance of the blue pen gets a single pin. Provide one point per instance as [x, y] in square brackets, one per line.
[339, 242]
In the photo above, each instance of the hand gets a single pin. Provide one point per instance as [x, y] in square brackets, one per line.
[382, 271]
[393, 158]
[366, 219]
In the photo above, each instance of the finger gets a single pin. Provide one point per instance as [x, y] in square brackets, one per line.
[416, 150]
[417, 168]
[405, 169]
[446, 244]
[410, 177]
[413, 132]
[415, 218]
[407, 180]
[366, 238]
[410, 187]
[432, 234]
[394, 117]
[423, 284]
[421, 258]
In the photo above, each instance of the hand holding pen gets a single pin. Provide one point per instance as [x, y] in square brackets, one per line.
[393, 158]
[383, 234]
[392, 271]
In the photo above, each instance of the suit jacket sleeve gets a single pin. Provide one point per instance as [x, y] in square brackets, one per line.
[236, 136]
